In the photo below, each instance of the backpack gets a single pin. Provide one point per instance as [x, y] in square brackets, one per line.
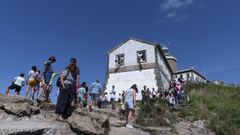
[58, 83]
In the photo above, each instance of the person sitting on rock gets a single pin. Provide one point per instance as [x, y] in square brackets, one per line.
[17, 84]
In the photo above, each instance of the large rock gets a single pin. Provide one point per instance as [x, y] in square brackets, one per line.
[18, 106]
[192, 128]
[92, 123]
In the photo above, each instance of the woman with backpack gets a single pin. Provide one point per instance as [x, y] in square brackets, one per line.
[67, 93]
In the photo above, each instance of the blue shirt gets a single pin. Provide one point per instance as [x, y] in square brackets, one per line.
[96, 88]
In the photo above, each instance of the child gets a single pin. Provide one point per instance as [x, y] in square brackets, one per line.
[105, 100]
[121, 110]
[171, 100]
[81, 92]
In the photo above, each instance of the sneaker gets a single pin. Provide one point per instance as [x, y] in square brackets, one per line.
[129, 126]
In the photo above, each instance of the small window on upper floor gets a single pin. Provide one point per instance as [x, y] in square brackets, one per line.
[119, 60]
[142, 56]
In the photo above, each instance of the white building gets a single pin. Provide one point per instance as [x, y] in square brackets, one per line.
[190, 75]
[137, 62]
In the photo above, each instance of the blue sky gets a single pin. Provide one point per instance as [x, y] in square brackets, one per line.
[202, 33]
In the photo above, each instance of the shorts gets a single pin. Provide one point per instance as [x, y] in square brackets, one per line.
[16, 87]
[129, 104]
[94, 96]
[80, 98]
[32, 83]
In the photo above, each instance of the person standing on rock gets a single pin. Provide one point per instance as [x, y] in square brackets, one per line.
[17, 84]
[67, 93]
[130, 101]
[95, 92]
[73, 61]
[47, 79]
[80, 94]
[32, 81]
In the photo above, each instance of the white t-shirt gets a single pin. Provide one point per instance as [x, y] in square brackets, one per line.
[32, 75]
[19, 81]
[154, 93]
[105, 98]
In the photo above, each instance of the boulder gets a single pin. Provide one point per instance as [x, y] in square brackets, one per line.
[92, 123]
[18, 106]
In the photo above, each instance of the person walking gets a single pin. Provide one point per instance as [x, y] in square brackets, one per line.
[81, 92]
[67, 93]
[95, 92]
[130, 101]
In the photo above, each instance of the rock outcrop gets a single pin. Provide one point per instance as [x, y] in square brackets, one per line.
[19, 116]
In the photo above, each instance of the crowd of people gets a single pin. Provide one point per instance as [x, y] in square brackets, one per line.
[71, 94]
[173, 95]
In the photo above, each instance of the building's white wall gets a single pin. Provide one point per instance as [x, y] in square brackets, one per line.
[163, 67]
[129, 49]
[125, 80]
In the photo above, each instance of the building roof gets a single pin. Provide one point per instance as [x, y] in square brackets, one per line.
[148, 43]
[134, 39]
[187, 71]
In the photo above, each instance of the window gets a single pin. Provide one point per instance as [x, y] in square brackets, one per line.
[119, 60]
[141, 56]
[188, 77]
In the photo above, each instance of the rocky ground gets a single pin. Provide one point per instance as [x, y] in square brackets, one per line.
[19, 116]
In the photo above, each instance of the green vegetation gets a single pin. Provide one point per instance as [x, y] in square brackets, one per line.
[219, 105]
[155, 113]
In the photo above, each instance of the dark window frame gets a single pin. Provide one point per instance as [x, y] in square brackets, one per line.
[118, 58]
[144, 53]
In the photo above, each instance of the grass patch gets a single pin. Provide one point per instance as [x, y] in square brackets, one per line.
[218, 104]
[155, 113]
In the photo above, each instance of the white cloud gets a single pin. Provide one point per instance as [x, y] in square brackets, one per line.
[175, 4]
[171, 15]
[174, 9]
